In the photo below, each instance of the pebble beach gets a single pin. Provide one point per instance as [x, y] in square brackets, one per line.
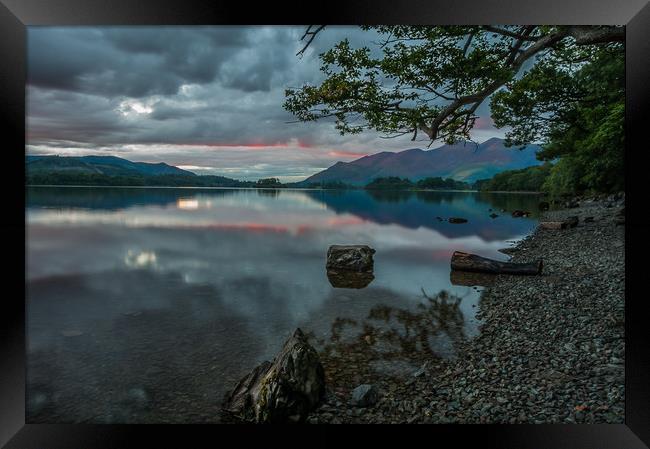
[550, 349]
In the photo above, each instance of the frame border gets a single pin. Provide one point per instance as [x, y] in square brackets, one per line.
[16, 15]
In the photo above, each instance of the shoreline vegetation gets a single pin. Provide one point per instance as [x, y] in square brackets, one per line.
[551, 347]
[495, 185]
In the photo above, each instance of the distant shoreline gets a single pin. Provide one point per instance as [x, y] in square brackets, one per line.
[279, 188]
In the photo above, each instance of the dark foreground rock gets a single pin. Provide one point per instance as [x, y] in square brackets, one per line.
[285, 390]
[356, 258]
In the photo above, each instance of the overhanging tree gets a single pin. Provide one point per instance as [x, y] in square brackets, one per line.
[549, 84]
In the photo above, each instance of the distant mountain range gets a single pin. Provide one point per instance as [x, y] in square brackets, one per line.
[101, 165]
[463, 161]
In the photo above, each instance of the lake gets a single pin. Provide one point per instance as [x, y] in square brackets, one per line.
[148, 304]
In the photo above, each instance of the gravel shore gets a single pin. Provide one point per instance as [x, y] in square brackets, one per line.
[551, 347]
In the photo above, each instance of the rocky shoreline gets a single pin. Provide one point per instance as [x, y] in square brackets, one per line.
[551, 347]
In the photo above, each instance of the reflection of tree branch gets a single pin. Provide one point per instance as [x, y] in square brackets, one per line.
[408, 341]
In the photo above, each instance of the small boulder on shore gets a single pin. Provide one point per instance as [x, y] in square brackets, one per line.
[356, 258]
[520, 213]
[365, 395]
[543, 205]
[284, 390]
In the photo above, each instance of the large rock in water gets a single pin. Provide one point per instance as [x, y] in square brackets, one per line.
[285, 390]
[350, 258]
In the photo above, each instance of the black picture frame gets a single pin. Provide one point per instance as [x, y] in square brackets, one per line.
[15, 15]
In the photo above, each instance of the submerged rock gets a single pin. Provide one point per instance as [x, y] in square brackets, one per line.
[349, 279]
[493, 215]
[457, 220]
[364, 395]
[356, 258]
[284, 390]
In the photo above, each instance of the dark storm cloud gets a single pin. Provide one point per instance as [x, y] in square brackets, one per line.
[192, 96]
[141, 61]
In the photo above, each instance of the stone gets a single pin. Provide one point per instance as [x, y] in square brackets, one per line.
[364, 395]
[285, 390]
[356, 258]
[493, 215]
[520, 213]
[457, 220]
[424, 369]
[543, 205]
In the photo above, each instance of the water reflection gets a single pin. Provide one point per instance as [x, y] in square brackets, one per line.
[349, 279]
[146, 305]
[471, 279]
[391, 341]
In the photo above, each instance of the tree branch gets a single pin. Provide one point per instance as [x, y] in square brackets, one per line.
[588, 35]
[312, 34]
[478, 97]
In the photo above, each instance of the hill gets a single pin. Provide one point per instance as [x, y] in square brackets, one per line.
[463, 161]
[102, 165]
[115, 171]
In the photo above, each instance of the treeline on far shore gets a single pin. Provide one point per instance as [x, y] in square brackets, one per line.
[531, 179]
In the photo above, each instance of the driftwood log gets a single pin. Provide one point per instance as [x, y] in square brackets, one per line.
[471, 262]
[570, 222]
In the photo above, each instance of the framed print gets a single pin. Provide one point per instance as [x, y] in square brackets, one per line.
[413, 214]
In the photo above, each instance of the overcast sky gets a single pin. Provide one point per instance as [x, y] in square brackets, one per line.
[207, 99]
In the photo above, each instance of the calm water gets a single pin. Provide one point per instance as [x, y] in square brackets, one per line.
[147, 305]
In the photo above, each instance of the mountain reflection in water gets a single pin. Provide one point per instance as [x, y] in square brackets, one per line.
[147, 305]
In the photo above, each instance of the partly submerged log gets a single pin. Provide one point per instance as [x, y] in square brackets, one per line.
[471, 262]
